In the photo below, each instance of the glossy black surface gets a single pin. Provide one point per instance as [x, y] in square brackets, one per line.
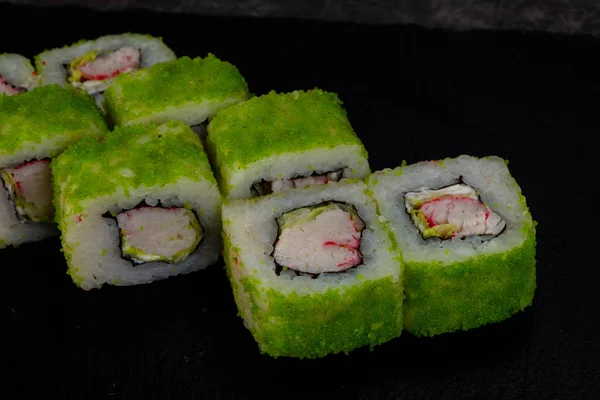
[411, 95]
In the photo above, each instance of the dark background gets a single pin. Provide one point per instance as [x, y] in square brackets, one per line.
[412, 94]
[559, 16]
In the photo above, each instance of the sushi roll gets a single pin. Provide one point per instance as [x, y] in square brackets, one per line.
[137, 205]
[92, 65]
[467, 240]
[16, 74]
[35, 127]
[277, 142]
[312, 271]
[188, 90]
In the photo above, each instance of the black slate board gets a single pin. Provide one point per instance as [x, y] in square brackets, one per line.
[411, 94]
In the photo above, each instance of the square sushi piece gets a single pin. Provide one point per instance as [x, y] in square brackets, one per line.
[92, 65]
[277, 142]
[16, 74]
[312, 270]
[137, 205]
[467, 241]
[35, 127]
[188, 90]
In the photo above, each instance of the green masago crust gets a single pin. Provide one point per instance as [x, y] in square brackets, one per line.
[46, 114]
[461, 296]
[275, 124]
[129, 157]
[315, 325]
[174, 84]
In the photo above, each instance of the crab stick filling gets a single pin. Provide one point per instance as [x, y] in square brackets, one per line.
[30, 191]
[8, 89]
[317, 239]
[158, 234]
[91, 71]
[453, 211]
[279, 185]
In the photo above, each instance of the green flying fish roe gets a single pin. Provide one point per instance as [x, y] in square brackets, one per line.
[129, 157]
[444, 298]
[173, 84]
[278, 123]
[298, 326]
[63, 115]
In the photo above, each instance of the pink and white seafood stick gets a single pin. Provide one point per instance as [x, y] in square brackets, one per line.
[111, 64]
[6, 88]
[280, 185]
[29, 186]
[158, 234]
[470, 216]
[325, 239]
[311, 180]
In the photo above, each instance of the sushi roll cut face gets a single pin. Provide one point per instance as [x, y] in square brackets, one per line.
[186, 89]
[279, 142]
[467, 241]
[16, 74]
[312, 270]
[147, 197]
[35, 127]
[93, 71]
[92, 65]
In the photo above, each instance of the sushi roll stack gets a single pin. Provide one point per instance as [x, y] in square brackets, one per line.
[467, 241]
[92, 65]
[323, 257]
[188, 90]
[35, 127]
[137, 205]
[312, 270]
[17, 75]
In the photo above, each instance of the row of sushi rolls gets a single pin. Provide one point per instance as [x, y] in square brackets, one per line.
[148, 165]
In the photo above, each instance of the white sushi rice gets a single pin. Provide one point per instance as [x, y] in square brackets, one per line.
[18, 71]
[96, 256]
[252, 229]
[489, 176]
[350, 159]
[192, 114]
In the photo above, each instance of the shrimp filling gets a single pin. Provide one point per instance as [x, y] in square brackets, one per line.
[452, 211]
[150, 234]
[279, 185]
[318, 239]
[93, 71]
[8, 89]
[29, 188]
